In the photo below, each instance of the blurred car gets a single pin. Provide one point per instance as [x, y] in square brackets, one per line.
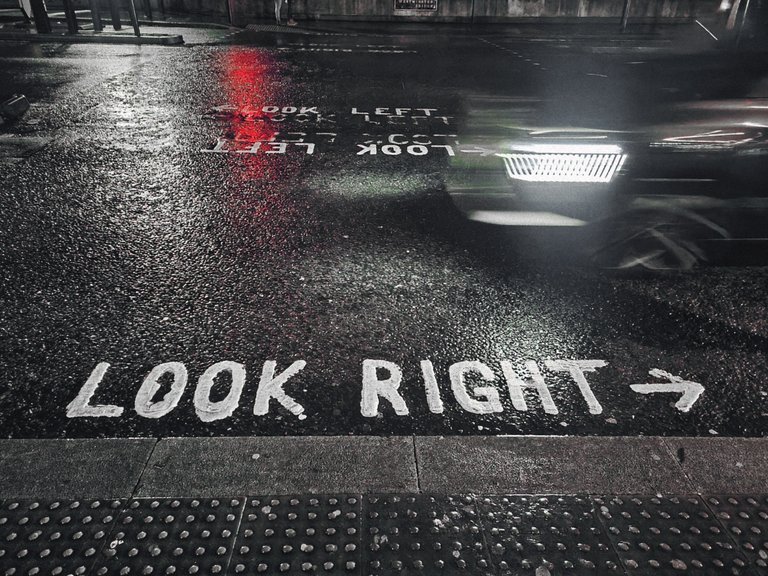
[653, 196]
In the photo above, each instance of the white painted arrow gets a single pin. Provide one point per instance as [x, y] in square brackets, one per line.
[690, 390]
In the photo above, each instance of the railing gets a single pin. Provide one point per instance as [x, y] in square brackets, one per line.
[43, 21]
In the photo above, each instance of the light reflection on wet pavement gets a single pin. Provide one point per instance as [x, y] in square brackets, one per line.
[131, 239]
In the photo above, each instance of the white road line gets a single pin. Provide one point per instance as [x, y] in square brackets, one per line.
[707, 30]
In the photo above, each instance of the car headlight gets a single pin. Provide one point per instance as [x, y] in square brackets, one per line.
[563, 162]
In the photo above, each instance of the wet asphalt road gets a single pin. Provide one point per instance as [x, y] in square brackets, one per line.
[143, 226]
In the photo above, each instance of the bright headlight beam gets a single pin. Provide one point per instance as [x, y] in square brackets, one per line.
[581, 148]
[564, 162]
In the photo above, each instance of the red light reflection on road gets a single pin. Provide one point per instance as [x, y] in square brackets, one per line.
[263, 203]
[250, 85]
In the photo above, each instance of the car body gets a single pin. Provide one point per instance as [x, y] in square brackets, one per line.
[701, 171]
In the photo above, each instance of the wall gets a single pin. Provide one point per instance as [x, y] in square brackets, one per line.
[245, 11]
[216, 8]
[504, 9]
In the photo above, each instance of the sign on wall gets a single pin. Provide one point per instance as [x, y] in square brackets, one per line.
[415, 7]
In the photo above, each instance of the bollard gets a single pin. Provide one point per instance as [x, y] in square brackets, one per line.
[134, 19]
[40, 14]
[96, 15]
[625, 15]
[147, 5]
[114, 8]
[69, 14]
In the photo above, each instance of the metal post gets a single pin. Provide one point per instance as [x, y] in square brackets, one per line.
[40, 13]
[26, 10]
[115, 10]
[147, 5]
[625, 16]
[69, 14]
[134, 19]
[96, 15]
[731, 23]
[741, 27]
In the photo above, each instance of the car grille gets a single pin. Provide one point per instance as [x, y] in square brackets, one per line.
[563, 167]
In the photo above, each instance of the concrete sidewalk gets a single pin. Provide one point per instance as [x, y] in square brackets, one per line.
[208, 467]
[124, 36]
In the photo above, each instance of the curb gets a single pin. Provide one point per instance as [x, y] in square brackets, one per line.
[232, 466]
[99, 38]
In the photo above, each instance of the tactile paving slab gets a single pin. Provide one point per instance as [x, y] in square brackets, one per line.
[171, 536]
[299, 535]
[746, 519]
[546, 535]
[54, 537]
[669, 536]
[420, 534]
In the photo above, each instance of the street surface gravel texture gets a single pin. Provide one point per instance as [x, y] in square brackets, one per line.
[252, 237]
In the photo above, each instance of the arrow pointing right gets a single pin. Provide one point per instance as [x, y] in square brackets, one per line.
[690, 390]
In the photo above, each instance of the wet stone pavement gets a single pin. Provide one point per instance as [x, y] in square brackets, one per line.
[254, 238]
[387, 534]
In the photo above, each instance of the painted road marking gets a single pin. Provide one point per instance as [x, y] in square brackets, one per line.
[205, 408]
[224, 145]
[257, 130]
[395, 150]
[81, 406]
[271, 386]
[375, 388]
[381, 382]
[345, 48]
[577, 369]
[536, 381]
[690, 390]
[144, 405]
